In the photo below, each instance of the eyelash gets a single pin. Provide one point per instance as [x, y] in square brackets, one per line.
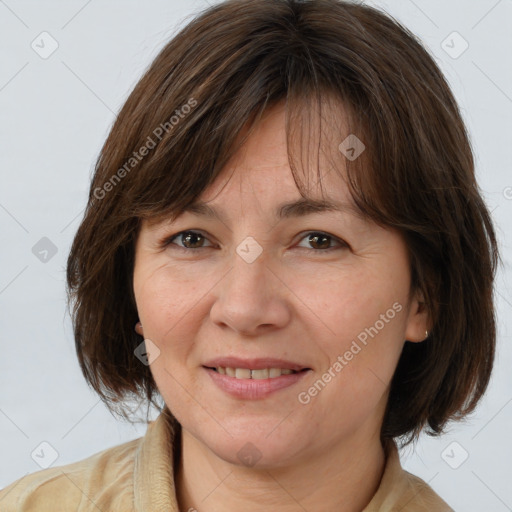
[168, 241]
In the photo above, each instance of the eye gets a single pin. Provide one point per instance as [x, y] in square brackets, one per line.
[321, 241]
[193, 240]
[190, 240]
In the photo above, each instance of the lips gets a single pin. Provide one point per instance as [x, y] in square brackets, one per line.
[254, 364]
[247, 379]
[250, 388]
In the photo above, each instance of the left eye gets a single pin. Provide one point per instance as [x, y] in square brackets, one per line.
[194, 240]
[320, 240]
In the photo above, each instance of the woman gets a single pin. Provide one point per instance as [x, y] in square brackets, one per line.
[284, 240]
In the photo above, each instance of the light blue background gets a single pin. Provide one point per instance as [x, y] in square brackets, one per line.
[55, 115]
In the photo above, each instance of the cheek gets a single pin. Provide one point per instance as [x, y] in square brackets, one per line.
[344, 301]
[163, 299]
[359, 318]
[172, 307]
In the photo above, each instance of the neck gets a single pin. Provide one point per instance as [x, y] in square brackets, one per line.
[344, 478]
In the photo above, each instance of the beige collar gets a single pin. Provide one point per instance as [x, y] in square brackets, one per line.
[153, 478]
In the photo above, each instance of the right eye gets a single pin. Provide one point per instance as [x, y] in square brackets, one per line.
[188, 238]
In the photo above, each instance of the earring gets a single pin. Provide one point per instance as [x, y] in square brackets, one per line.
[138, 328]
[426, 334]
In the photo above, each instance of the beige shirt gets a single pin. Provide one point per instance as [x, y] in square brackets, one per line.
[137, 476]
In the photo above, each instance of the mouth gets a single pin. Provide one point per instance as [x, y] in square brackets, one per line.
[248, 373]
[252, 379]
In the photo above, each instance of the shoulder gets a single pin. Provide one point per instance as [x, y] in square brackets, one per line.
[103, 480]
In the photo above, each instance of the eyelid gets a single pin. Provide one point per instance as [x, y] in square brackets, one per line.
[169, 240]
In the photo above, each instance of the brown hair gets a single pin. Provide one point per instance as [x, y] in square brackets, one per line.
[177, 131]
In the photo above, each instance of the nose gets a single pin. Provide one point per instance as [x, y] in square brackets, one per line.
[251, 298]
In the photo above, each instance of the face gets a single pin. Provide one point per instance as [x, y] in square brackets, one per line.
[323, 294]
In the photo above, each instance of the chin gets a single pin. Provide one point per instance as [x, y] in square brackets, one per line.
[254, 453]
[259, 446]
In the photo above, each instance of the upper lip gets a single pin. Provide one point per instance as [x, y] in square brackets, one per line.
[253, 364]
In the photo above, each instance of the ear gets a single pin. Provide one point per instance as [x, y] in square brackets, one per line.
[418, 319]
[138, 329]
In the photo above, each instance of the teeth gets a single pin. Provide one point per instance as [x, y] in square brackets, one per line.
[260, 374]
[274, 372]
[242, 373]
[246, 373]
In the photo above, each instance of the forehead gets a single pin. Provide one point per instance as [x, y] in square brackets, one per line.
[312, 125]
[264, 162]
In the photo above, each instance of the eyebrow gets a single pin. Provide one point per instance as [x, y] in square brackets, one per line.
[298, 208]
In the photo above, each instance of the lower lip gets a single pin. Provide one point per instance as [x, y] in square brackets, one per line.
[253, 389]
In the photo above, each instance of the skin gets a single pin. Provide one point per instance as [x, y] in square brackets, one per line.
[295, 301]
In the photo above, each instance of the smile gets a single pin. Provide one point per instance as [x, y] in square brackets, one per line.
[248, 384]
[245, 373]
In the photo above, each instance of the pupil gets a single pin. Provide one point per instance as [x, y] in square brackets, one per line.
[315, 238]
[189, 238]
